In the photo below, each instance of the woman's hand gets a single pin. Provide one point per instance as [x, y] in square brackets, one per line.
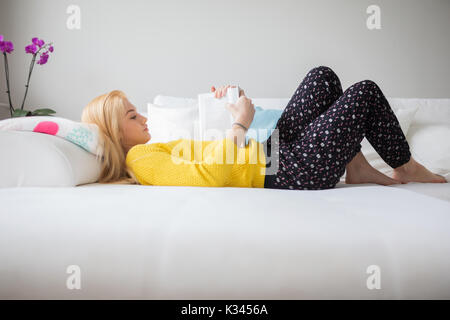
[222, 91]
[243, 111]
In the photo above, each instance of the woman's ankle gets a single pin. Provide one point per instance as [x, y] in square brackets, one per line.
[407, 167]
[356, 163]
[413, 171]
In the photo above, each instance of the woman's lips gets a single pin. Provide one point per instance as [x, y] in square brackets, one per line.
[146, 129]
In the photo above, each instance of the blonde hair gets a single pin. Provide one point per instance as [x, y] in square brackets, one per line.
[106, 111]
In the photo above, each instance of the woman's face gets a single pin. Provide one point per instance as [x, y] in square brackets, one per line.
[133, 127]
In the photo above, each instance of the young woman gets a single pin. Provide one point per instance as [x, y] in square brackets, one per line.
[319, 135]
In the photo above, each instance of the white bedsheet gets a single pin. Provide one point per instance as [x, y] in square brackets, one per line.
[436, 190]
[151, 242]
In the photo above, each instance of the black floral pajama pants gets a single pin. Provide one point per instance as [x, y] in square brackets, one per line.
[321, 129]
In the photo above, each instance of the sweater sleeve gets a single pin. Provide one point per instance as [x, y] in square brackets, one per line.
[179, 163]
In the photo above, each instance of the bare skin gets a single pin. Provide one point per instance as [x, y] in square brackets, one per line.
[412, 171]
[360, 171]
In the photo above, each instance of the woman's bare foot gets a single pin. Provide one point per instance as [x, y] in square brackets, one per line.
[412, 171]
[360, 171]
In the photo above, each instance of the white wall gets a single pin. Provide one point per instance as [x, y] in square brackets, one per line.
[181, 48]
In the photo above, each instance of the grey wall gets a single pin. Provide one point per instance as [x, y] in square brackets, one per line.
[181, 48]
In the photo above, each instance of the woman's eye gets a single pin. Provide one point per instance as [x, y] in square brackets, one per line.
[133, 117]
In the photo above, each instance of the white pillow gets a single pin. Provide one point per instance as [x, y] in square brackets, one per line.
[430, 146]
[429, 135]
[167, 123]
[432, 111]
[30, 159]
[405, 110]
[86, 135]
[176, 102]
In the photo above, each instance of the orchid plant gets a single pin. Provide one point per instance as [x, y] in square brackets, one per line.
[37, 47]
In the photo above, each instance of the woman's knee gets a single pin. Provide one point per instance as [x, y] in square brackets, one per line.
[327, 74]
[368, 90]
[367, 86]
[322, 71]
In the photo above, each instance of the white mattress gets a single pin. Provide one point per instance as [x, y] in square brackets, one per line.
[435, 190]
[153, 242]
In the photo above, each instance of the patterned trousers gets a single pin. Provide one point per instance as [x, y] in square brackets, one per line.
[321, 129]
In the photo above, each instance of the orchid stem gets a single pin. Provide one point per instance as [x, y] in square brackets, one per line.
[28, 81]
[11, 108]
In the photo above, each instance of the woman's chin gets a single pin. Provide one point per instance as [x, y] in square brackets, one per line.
[149, 137]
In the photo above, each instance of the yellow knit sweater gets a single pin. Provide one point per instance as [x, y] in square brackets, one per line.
[187, 162]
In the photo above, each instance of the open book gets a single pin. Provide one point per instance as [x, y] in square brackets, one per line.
[214, 117]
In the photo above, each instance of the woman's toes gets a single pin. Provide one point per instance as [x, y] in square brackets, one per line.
[418, 174]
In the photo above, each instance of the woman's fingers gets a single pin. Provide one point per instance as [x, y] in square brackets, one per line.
[219, 93]
[222, 91]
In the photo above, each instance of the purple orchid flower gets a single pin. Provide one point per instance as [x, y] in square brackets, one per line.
[43, 58]
[6, 46]
[31, 49]
[38, 42]
[51, 49]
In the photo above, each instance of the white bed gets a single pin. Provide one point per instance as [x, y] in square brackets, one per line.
[150, 242]
[156, 242]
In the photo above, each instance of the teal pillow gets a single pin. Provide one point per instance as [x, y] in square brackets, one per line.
[264, 122]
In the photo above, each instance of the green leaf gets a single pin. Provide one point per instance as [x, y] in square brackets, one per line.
[43, 112]
[21, 113]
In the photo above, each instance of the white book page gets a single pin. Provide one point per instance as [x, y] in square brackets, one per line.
[214, 117]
